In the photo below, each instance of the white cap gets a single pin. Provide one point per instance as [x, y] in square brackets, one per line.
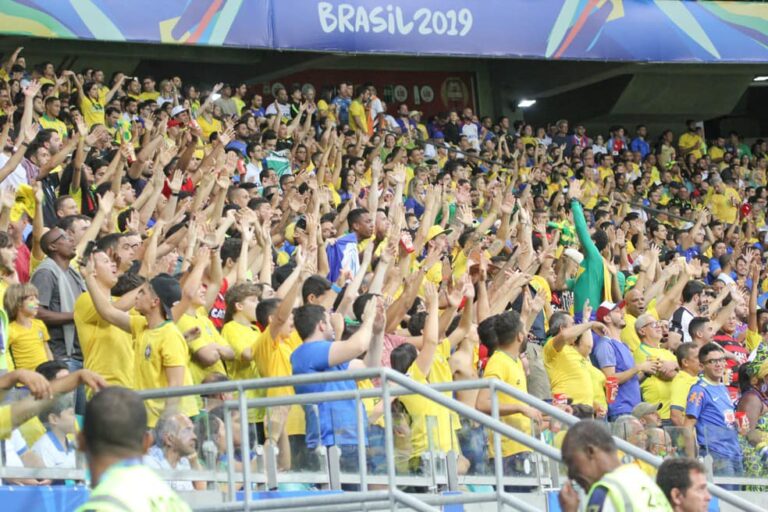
[574, 255]
[178, 109]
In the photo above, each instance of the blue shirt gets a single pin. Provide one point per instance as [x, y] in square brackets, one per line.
[640, 146]
[338, 419]
[609, 352]
[342, 109]
[716, 430]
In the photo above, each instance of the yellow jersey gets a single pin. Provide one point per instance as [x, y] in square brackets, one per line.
[654, 389]
[681, 385]
[208, 335]
[569, 373]
[157, 349]
[240, 337]
[54, 124]
[27, 344]
[273, 359]
[107, 349]
[93, 111]
[509, 370]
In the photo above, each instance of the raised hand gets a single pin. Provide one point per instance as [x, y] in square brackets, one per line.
[32, 89]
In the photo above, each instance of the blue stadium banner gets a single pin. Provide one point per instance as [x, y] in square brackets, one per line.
[617, 30]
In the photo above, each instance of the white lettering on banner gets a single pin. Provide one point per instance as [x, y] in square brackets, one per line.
[357, 19]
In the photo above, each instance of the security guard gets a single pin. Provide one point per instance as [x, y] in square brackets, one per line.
[114, 437]
[590, 455]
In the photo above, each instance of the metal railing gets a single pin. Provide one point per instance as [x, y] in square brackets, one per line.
[392, 384]
[402, 385]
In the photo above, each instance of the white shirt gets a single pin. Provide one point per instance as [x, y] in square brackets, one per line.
[16, 178]
[53, 454]
[376, 107]
[470, 130]
[252, 172]
[155, 459]
[285, 110]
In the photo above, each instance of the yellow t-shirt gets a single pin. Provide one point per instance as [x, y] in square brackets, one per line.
[107, 349]
[428, 420]
[753, 339]
[681, 385]
[273, 359]
[569, 373]
[157, 349]
[716, 153]
[54, 124]
[370, 403]
[241, 337]
[689, 140]
[208, 128]
[722, 205]
[27, 344]
[208, 335]
[441, 373]
[509, 370]
[93, 111]
[356, 109]
[149, 96]
[239, 104]
[653, 388]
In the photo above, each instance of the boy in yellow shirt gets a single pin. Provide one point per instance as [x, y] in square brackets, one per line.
[27, 336]
[240, 334]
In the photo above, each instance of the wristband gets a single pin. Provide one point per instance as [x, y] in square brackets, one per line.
[336, 288]
[175, 194]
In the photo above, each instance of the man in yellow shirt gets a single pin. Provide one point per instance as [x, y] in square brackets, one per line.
[358, 120]
[690, 141]
[506, 365]
[688, 359]
[272, 354]
[207, 348]
[717, 150]
[656, 388]
[107, 350]
[50, 119]
[568, 370]
[161, 357]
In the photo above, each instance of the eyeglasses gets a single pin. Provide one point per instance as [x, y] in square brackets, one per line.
[719, 360]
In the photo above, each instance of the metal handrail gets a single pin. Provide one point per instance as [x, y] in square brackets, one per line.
[404, 385]
[432, 392]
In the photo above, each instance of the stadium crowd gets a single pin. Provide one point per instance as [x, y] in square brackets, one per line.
[170, 234]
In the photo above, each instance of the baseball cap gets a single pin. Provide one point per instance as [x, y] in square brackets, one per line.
[414, 113]
[435, 231]
[606, 307]
[644, 408]
[168, 290]
[574, 254]
[178, 109]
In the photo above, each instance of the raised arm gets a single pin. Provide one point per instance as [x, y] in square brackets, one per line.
[102, 302]
[429, 345]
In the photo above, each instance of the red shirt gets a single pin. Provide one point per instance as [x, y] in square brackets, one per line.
[219, 308]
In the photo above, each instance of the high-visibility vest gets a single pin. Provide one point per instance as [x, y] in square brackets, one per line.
[630, 490]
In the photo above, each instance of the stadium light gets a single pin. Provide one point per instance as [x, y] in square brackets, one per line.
[760, 78]
[529, 103]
